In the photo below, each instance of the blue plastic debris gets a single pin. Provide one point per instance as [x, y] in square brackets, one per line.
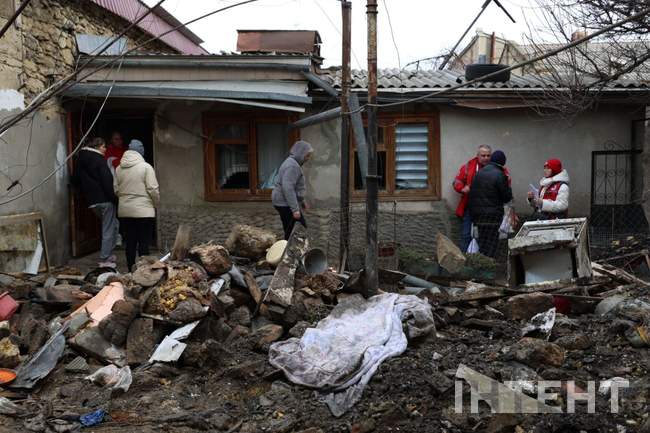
[92, 418]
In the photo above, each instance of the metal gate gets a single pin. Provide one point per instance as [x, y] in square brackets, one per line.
[615, 192]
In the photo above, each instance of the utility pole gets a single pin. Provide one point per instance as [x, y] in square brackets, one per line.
[346, 78]
[372, 183]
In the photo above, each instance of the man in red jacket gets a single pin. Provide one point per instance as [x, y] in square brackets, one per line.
[462, 184]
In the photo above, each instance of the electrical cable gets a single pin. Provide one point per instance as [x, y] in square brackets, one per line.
[392, 35]
[548, 54]
[74, 151]
[37, 102]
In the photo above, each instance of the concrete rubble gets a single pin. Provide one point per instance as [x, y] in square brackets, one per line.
[184, 346]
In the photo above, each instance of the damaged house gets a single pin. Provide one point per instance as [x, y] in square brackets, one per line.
[216, 127]
[40, 48]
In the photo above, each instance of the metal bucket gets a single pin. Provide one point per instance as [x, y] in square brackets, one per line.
[314, 261]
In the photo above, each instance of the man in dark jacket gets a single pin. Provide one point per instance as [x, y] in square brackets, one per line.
[95, 180]
[490, 192]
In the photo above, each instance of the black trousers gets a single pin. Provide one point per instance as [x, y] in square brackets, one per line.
[138, 233]
[288, 221]
[488, 233]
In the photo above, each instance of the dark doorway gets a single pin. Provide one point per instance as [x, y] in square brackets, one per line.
[84, 225]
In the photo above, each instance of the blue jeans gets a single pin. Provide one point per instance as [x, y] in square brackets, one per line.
[465, 231]
[108, 214]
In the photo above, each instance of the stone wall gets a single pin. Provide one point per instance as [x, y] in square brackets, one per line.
[42, 49]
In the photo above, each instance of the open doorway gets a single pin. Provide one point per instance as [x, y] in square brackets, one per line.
[85, 227]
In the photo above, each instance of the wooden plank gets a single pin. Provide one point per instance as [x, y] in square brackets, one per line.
[20, 218]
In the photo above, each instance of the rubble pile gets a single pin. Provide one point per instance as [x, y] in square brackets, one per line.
[189, 346]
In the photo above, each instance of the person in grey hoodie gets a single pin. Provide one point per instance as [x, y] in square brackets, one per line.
[136, 187]
[288, 195]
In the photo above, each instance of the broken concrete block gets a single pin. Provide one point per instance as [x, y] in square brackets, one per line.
[115, 326]
[9, 353]
[92, 342]
[240, 316]
[237, 332]
[214, 258]
[282, 284]
[574, 342]
[249, 242]
[253, 288]
[140, 341]
[450, 257]
[524, 307]
[536, 353]
[187, 311]
[299, 329]
[148, 275]
[77, 365]
[267, 335]
[33, 334]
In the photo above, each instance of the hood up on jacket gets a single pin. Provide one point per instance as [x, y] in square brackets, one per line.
[299, 151]
[131, 158]
[562, 176]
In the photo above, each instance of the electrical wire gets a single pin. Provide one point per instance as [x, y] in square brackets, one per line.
[74, 151]
[356, 59]
[69, 81]
[392, 35]
[37, 102]
[548, 54]
[119, 58]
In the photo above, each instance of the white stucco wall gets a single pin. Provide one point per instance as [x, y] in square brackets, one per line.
[528, 140]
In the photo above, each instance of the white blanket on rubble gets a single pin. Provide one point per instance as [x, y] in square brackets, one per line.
[345, 349]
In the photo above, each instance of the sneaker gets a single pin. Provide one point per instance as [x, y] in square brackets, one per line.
[107, 264]
[111, 258]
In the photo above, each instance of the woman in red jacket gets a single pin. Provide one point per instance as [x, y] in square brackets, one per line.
[553, 199]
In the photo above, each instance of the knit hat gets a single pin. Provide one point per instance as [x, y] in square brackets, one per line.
[137, 146]
[498, 157]
[555, 165]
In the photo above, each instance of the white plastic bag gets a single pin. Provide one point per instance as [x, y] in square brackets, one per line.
[473, 247]
[506, 227]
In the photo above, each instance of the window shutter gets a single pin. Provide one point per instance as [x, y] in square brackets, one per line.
[411, 156]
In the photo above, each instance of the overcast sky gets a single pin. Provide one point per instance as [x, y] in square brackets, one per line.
[421, 28]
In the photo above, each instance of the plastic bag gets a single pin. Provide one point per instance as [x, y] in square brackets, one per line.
[507, 223]
[473, 247]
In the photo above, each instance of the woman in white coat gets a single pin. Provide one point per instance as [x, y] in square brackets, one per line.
[553, 199]
[136, 188]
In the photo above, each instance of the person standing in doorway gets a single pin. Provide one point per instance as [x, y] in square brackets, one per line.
[462, 185]
[94, 178]
[136, 187]
[115, 150]
[489, 193]
[288, 195]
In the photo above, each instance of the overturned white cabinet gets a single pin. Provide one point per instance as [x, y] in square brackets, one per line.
[549, 251]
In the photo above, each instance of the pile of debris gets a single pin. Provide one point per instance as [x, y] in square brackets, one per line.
[225, 340]
[192, 311]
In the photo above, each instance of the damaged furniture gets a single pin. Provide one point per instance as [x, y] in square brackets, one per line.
[548, 251]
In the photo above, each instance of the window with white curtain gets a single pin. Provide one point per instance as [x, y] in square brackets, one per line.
[243, 154]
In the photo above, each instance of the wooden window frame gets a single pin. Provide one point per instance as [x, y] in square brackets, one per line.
[390, 121]
[211, 143]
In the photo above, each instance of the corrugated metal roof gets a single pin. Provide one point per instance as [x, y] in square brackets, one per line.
[401, 80]
[155, 24]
